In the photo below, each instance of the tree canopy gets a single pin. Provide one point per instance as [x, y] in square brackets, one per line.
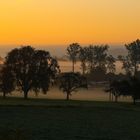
[73, 52]
[33, 69]
[7, 84]
[132, 60]
[70, 82]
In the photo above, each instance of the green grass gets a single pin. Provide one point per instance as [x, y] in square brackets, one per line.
[41, 119]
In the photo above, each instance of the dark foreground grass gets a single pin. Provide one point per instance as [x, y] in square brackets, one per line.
[73, 120]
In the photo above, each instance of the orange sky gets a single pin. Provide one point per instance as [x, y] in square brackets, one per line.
[66, 21]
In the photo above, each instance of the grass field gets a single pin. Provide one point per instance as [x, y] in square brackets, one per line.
[37, 119]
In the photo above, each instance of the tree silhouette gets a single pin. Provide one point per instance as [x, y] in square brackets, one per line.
[124, 88]
[135, 88]
[111, 67]
[99, 62]
[97, 74]
[83, 57]
[127, 66]
[100, 55]
[114, 89]
[7, 84]
[132, 60]
[32, 68]
[70, 82]
[90, 57]
[46, 69]
[73, 51]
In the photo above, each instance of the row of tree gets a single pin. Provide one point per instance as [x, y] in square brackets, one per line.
[27, 69]
[96, 61]
[129, 87]
[91, 58]
[95, 57]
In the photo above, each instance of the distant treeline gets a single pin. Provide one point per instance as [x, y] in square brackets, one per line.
[27, 69]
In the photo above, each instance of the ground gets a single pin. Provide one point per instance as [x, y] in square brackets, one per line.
[37, 119]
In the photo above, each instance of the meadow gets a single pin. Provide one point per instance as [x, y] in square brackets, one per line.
[42, 119]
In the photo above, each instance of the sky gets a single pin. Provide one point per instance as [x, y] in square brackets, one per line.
[61, 22]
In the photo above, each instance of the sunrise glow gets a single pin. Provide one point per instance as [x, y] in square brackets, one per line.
[66, 21]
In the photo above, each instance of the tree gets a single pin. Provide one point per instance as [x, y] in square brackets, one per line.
[32, 68]
[127, 65]
[111, 67]
[99, 62]
[90, 57]
[100, 54]
[97, 56]
[132, 60]
[73, 51]
[46, 69]
[70, 82]
[127, 87]
[97, 74]
[83, 57]
[6, 84]
[119, 88]
[134, 89]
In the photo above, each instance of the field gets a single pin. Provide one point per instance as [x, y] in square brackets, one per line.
[41, 119]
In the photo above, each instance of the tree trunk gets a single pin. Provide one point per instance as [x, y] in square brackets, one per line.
[110, 96]
[116, 99]
[134, 101]
[83, 71]
[25, 95]
[83, 67]
[73, 66]
[135, 70]
[67, 96]
[4, 95]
